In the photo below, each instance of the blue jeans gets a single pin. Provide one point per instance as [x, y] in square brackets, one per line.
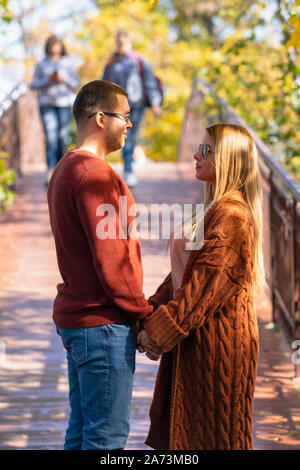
[101, 365]
[136, 116]
[56, 122]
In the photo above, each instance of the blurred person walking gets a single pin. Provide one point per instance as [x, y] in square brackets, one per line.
[55, 78]
[132, 72]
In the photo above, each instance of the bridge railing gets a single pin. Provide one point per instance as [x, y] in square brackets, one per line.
[281, 210]
[10, 126]
[21, 130]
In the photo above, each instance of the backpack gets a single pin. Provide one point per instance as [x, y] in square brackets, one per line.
[159, 85]
[137, 58]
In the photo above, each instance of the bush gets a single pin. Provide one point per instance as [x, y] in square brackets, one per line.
[7, 178]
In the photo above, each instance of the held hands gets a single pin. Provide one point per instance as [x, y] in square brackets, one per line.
[56, 78]
[145, 345]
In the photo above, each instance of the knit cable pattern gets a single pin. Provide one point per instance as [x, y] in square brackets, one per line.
[210, 330]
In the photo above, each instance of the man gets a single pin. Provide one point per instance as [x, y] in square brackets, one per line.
[132, 72]
[101, 295]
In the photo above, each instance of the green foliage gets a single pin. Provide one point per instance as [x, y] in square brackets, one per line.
[7, 178]
[97, 41]
[4, 11]
[260, 89]
[295, 22]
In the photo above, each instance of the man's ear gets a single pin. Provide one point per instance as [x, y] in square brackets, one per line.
[100, 119]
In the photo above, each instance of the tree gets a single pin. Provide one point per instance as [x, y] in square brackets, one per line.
[219, 41]
[4, 11]
[294, 20]
[247, 51]
[150, 30]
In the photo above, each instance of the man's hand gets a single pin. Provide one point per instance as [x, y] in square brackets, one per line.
[145, 344]
[138, 328]
[157, 110]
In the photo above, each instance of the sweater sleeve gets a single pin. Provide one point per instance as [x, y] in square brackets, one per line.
[163, 293]
[70, 76]
[111, 258]
[40, 78]
[218, 274]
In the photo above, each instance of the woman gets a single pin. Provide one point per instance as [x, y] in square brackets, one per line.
[56, 78]
[207, 330]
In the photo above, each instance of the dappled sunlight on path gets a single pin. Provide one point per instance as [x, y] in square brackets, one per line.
[34, 390]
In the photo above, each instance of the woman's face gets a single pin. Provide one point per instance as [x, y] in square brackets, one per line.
[205, 165]
[55, 49]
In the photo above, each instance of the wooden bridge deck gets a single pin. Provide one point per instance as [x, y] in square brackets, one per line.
[34, 388]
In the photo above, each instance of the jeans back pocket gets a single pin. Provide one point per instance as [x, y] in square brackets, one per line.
[75, 343]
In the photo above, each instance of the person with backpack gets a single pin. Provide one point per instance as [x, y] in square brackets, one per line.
[132, 72]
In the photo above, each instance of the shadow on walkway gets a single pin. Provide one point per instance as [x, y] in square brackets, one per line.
[34, 390]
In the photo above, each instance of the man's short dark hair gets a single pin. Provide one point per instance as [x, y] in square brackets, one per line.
[123, 33]
[98, 95]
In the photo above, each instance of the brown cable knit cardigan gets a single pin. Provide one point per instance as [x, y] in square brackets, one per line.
[205, 384]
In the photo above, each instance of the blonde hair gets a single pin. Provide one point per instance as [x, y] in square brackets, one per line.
[237, 169]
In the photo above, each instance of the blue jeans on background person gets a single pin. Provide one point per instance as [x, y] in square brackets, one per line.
[101, 365]
[136, 116]
[56, 121]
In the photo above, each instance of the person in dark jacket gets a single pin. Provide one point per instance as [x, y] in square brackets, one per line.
[131, 71]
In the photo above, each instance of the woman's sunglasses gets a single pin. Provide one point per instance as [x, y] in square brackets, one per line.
[205, 149]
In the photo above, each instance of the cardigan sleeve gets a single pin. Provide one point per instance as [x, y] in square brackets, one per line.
[219, 272]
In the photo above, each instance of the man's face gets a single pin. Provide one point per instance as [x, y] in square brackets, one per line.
[116, 126]
[124, 44]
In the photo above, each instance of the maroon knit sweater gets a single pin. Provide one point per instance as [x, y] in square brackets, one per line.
[102, 278]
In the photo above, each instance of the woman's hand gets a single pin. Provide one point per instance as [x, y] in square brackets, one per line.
[145, 344]
[56, 78]
[153, 352]
[143, 338]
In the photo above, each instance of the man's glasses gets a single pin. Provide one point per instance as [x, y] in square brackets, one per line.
[126, 116]
[205, 149]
